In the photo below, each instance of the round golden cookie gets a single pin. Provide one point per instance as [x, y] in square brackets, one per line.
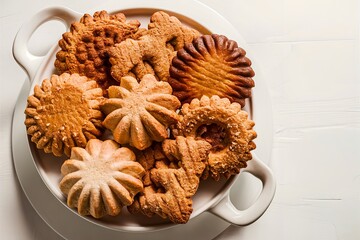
[139, 113]
[225, 126]
[84, 49]
[64, 112]
[100, 179]
[211, 65]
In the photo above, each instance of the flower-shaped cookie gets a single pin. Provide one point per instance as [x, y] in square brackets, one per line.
[139, 113]
[225, 126]
[64, 112]
[211, 65]
[84, 49]
[100, 179]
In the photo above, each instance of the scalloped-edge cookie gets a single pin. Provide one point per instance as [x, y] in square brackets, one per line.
[225, 126]
[100, 179]
[212, 65]
[64, 112]
[84, 49]
[140, 113]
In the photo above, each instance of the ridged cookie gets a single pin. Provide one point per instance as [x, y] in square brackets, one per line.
[64, 112]
[212, 65]
[225, 126]
[84, 49]
[140, 113]
[100, 179]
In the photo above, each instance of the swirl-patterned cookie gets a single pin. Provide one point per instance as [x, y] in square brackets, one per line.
[211, 65]
[174, 178]
[225, 126]
[100, 179]
[139, 113]
[153, 51]
[84, 49]
[64, 112]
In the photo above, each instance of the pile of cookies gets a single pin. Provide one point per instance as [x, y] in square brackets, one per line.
[144, 114]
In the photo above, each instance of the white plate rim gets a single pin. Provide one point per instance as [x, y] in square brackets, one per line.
[221, 23]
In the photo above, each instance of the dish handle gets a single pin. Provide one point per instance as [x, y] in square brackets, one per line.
[226, 210]
[28, 61]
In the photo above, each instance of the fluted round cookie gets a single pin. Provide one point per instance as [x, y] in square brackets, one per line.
[211, 65]
[64, 112]
[84, 49]
[225, 126]
[139, 113]
[100, 179]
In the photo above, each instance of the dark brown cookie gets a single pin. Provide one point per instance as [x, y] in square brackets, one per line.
[84, 49]
[211, 65]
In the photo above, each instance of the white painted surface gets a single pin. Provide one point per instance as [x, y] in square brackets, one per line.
[309, 53]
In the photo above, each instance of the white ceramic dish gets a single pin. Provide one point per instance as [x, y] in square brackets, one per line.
[39, 177]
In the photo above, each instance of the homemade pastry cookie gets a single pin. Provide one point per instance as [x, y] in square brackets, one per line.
[211, 65]
[100, 179]
[174, 179]
[84, 49]
[151, 53]
[64, 112]
[139, 113]
[225, 126]
[149, 158]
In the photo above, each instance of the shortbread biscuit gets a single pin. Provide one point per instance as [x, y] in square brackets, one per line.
[211, 65]
[64, 112]
[84, 49]
[140, 113]
[151, 53]
[100, 179]
[225, 126]
[175, 178]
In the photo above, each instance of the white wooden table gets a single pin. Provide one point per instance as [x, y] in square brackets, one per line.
[309, 54]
